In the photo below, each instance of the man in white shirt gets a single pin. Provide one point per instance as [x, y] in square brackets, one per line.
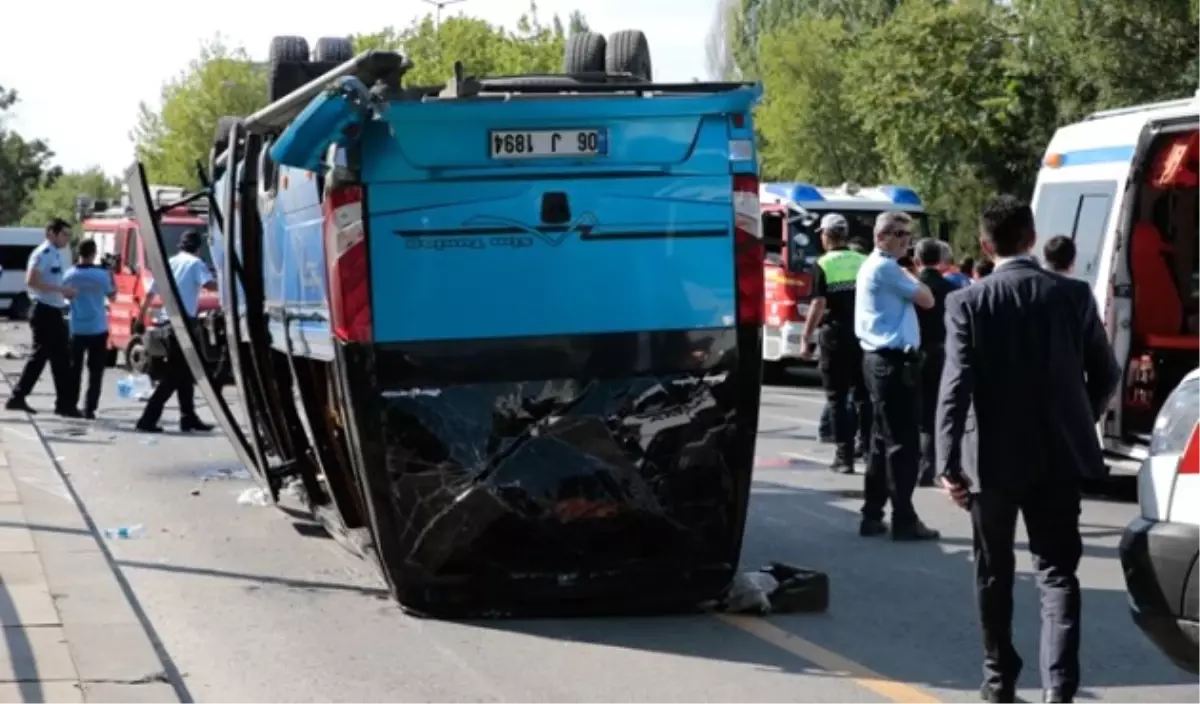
[191, 276]
[51, 339]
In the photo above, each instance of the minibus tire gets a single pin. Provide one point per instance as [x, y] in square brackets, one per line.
[584, 53]
[628, 52]
[288, 48]
[335, 49]
[135, 356]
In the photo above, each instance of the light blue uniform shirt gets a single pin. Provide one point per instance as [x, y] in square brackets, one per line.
[92, 284]
[190, 274]
[884, 314]
[48, 260]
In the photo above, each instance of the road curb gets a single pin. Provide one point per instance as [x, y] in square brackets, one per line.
[74, 629]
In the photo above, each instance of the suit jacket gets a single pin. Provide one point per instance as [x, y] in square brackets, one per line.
[932, 320]
[1028, 373]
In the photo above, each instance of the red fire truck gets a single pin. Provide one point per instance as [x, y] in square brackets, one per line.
[791, 214]
[119, 245]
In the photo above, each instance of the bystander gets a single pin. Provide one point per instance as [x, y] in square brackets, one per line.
[89, 325]
[1059, 254]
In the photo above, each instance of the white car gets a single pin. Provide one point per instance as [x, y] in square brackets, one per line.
[1159, 548]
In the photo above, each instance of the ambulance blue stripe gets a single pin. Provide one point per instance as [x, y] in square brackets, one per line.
[1098, 155]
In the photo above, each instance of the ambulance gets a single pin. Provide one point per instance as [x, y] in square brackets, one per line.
[791, 213]
[1123, 185]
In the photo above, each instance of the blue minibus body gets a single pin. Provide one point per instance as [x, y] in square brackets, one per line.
[523, 319]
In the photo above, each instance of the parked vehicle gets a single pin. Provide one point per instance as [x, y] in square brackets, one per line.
[1160, 547]
[1123, 185]
[503, 334]
[16, 244]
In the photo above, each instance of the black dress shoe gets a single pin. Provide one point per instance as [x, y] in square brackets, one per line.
[147, 428]
[998, 695]
[190, 424]
[870, 528]
[1051, 695]
[916, 532]
[842, 466]
[90, 415]
[19, 404]
[68, 412]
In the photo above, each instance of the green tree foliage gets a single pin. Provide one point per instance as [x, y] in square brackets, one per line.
[485, 49]
[25, 164]
[220, 81]
[741, 25]
[932, 86]
[956, 98]
[1112, 53]
[806, 118]
[57, 200]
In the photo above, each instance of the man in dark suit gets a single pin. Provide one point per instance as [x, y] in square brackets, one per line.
[1028, 373]
[930, 255]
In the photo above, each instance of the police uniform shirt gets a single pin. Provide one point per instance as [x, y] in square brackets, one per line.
[48, 261]
[834, 279]
[191, 274]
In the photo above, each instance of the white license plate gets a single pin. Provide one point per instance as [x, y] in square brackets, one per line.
[542, 144]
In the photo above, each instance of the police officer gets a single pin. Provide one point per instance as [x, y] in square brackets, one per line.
[885, 321]
[191, 275]
[832, 307]
[51, 340]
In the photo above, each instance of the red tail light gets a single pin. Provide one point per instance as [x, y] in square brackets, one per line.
[346, 263]
[748, 250]
[1189, 463]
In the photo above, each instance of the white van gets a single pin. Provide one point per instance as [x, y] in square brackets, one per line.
[16, 244]
[1123, 185]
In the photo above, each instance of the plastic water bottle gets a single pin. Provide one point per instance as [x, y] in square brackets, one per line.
[142, 387]
[125, 387]
[125, 532]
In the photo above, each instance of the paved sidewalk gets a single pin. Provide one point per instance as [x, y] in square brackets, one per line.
[71, 631]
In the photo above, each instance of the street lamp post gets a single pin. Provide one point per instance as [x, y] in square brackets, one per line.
[439, 4]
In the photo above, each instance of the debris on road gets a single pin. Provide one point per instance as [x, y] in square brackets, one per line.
[225, 474]
[254, 496]
[14, 351]
[135, 386]
[777, 587]
[195, 492]
[750, 594]
[125, 532]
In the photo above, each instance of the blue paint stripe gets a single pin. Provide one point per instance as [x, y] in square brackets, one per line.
[1098, 155]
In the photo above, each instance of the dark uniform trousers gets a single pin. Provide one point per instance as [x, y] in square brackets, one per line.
[95, 349]
[1051, 512]
[846, 397]
[51, 339]
[177, 380]
[932, 361]
[892, 379]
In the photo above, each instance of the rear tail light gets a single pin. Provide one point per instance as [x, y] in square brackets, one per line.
[1189, 462]
[346, 263]
[748, 250]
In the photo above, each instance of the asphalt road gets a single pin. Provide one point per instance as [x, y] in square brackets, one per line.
[254, 605]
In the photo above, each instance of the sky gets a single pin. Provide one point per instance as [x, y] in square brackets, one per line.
[80, 82]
